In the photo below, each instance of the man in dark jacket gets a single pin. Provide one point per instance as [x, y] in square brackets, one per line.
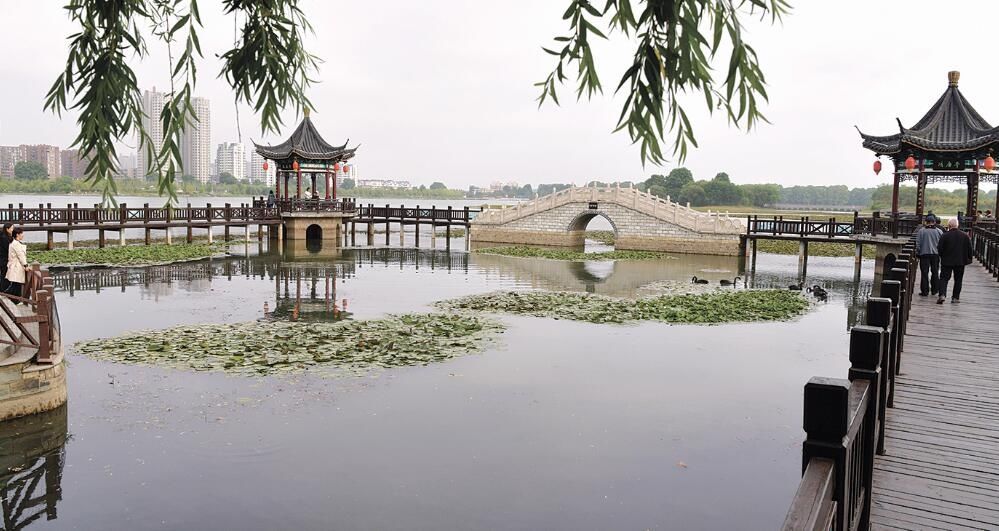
[955, 253]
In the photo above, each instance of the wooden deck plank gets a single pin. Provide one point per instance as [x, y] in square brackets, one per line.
[941, 470]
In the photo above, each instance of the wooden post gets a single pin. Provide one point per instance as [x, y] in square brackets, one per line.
[826, 423]
[49, 241]
[802, 258]
[69, 240]
[447, 235]
[879, 316]
[44, 309]
[417, 226]
[865, 364]
[386, 224]
[894, 194]
[892, 290]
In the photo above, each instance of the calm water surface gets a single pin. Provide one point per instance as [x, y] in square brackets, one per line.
[560, 425]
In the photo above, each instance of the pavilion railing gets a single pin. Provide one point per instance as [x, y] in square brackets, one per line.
[416, 214]
[985, 243]
[36, 326]
[345, 205]
[844, 419]
[894, 226]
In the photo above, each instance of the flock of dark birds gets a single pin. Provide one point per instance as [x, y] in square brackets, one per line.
[817, 291]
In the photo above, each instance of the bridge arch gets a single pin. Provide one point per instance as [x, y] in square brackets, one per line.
[584, 218]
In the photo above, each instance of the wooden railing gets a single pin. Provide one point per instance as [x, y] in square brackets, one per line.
[807, 227]
[844, 419]
[985, 242]
[802, 227]
[47, 216]
[309, 205]
[38, 297]
[418, 214]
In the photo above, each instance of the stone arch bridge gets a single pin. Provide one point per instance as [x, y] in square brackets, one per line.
[640, 221]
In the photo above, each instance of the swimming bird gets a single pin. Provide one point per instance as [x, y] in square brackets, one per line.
[794, 287]
[696, 280]
[818, 291]
[725, 282]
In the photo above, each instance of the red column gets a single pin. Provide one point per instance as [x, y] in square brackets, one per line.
[334, 188]
[921, 189]
[299, 174]
[328, 182]
[277, 185]
[287, 187]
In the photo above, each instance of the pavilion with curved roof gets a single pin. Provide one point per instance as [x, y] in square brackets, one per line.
[950, 143]
[305, 151]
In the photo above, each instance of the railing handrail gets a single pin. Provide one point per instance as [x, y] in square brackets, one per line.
[844, 419]
[38, 294]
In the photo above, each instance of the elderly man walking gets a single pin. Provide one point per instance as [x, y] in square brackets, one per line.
[929, 259]
[955, 253]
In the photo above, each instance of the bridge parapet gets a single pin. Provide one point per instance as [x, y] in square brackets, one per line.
[632, 198]
[640, 221]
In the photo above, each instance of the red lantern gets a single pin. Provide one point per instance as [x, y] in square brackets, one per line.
[336, 167]
[346, 168]
[990, 163]
[294, 165]
[265, 165]
[910, 163]
[877, 167]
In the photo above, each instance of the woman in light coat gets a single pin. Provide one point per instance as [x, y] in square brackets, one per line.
[17, 263]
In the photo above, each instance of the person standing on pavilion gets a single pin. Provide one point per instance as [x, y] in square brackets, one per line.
[955, 253]
[271, 201]
[17, 264]
[929, 259]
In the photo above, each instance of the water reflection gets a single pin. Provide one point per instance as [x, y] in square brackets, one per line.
[32, 455]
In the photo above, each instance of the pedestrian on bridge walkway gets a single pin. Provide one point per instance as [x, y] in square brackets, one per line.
[929, 259]
[955, 253]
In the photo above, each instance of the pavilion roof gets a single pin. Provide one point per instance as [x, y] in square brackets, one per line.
[306, 143]
[951, 124]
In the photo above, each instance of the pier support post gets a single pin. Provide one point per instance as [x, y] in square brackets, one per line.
[858, 258]
[169, 237]
[371, 233]
[433, 236]
[101, 238]
[260, 232]
[121, 237]
[417, 232]
[69, 240]
[148, 235]
[468, 238]
[353, 234]
[387, 231]
[753, 254]
[225, 233]
[402, 235]
[209, 235]
[447, 236]
[49, 242]
[190, 234]
[802, 258]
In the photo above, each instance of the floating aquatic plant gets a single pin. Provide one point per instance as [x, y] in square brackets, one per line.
[270, 347]
[572, 255]
[702, 308]
[129, 255]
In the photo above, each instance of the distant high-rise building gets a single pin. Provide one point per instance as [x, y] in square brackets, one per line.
[128, 166]
[196, 142]
[47, 156]
[9, 157]
[152, 107]
[72, 165]
[257, 172]
[230, 157]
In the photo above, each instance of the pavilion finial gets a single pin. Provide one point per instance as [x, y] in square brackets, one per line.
[306, 112]
[952, 77]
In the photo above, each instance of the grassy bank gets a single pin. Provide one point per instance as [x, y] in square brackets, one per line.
[703, 308]
[261, 348]
[571, 255]
[130, 255]
[814, 248]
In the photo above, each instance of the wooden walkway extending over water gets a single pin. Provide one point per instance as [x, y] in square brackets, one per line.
[941, 466]
[911, 439]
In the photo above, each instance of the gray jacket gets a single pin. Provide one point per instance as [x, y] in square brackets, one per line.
[926, 240]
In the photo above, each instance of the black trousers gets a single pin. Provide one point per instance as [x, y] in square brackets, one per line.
[929, 271]
[945, 272]
[14, 288]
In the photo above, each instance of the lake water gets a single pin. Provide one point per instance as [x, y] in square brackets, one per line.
[559, 425]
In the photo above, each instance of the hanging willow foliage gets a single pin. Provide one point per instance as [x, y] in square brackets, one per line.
[677, 43]
[268, 68]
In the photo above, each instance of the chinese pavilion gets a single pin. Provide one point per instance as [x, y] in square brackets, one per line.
[306, 152]
[951, 143]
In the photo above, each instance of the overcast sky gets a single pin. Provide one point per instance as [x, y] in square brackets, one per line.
[443, 90]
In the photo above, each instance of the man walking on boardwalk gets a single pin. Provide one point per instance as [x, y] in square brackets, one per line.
[929, 258]
[955, 253]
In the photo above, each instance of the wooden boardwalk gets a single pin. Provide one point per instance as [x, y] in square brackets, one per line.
[941, 469]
